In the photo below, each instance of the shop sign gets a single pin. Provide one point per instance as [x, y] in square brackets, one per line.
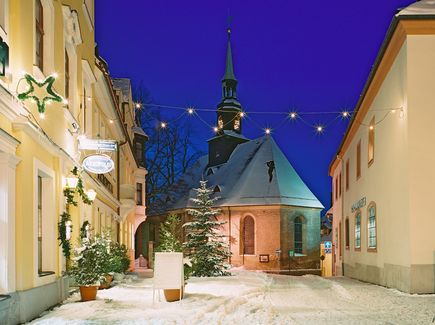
[327, 244]
[98, 164]
[97, 145]
[361, 203]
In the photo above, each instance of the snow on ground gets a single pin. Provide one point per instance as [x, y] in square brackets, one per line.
[250, 298]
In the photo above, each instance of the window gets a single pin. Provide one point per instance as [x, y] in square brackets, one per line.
[298, 244]
[371, 226]
[347, 232]
[336, 188]
[340, 239]
[358, 230]
[358, 160]
[4, 18]
[67, 75]
[339, 185]
[210, 172]
[220, 122]
[139, 192]
[39, 36]
[216, 189]
[138, 147]
[347, 174]
[371, 147]
[237, 124]
[248, 235]
[85, 109]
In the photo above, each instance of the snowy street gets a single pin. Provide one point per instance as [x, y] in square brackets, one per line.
[250, 298]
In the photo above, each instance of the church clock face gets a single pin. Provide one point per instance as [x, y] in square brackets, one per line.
[237, 124]
[220, 123]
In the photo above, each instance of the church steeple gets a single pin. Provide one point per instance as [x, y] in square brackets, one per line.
[229, 116]
[229, 109]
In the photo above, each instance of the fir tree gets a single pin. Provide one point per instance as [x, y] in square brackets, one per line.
[208, 252]
[169, 235]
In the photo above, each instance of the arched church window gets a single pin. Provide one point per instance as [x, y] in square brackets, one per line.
[236, 124]
[298, 235]
[248, 233]
[220, 122]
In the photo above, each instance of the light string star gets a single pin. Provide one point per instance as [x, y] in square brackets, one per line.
[40, 102]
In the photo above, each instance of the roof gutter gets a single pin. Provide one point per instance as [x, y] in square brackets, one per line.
[383, 49]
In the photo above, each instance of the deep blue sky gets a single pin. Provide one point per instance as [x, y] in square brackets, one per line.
[311, 55]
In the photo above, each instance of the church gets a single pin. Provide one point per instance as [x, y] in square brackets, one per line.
[272, 217]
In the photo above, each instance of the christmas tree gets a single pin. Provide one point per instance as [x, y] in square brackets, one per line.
[169, 235]
[208, 252]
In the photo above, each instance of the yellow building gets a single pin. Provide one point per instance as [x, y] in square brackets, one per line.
[38, 151]
[383, 173]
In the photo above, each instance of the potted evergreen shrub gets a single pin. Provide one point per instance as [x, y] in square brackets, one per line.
[88, 268]
[170, 234]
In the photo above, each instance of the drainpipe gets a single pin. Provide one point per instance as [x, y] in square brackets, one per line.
[229, 230]
[118, 183]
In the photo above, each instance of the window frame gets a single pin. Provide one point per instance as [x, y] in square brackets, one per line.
[39, 30]
[139, 193]
[243, 236]
[347, 174]
[372, 248]
[358, 247]
[347, 233]
[301, 241]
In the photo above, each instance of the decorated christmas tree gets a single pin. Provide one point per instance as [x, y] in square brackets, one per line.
[208, 251]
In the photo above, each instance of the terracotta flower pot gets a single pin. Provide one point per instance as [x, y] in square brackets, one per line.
[88, 292]
[173, 294]
[106, 284]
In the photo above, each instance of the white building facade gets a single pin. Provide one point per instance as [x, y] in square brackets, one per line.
[383, 221]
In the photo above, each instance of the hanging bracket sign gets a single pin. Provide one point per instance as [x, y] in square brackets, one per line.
[97, 145]
[361, 203]
[98, 164]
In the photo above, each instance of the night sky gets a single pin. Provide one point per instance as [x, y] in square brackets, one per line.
[308, 56]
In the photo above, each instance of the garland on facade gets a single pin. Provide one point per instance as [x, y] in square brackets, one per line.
[30, 92]
[65, 217]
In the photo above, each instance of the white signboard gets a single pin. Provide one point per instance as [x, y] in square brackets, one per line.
[98, 164]
[168, 271]
[98, 145]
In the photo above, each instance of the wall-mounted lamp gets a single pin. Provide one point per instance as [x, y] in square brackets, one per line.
[71, 182]
[91, 194]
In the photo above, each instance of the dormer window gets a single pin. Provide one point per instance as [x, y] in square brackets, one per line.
[216, 189]
[210, 172]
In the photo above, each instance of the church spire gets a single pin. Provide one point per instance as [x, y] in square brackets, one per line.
[229, 71]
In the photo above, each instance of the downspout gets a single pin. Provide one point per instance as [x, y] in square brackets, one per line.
[118, 183]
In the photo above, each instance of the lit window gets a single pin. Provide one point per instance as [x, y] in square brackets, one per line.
[358, 230]
[371, 147]
[248, 234]
[237, 124]
[220, 122]
[298, 244]
[358, 160]
[372, 227]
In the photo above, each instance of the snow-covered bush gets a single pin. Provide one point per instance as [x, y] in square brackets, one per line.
[88, 263]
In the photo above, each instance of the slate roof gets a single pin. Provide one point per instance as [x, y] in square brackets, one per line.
[244, 180]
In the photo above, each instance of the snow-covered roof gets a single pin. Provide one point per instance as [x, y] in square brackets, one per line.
[423, 7]
[124, 85]
[245, 180]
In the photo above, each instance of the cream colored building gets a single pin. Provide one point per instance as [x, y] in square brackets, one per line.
[387, 163]
[38, 151]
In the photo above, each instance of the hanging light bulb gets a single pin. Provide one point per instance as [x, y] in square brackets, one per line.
[65, 101]
[319, 129]
[393, 111]
[345, 114]
[242, 114]
[215, 129]
[293, 115]
[55, 75]
[111, 121]
[138, 105]
[190, 110]
[267, 130]
[163, 125]
[371, 127]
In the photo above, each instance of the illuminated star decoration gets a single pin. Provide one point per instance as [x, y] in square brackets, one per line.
[29, 94]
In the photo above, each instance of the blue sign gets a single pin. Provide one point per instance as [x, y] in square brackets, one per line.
[328, 251]
[327, 244]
